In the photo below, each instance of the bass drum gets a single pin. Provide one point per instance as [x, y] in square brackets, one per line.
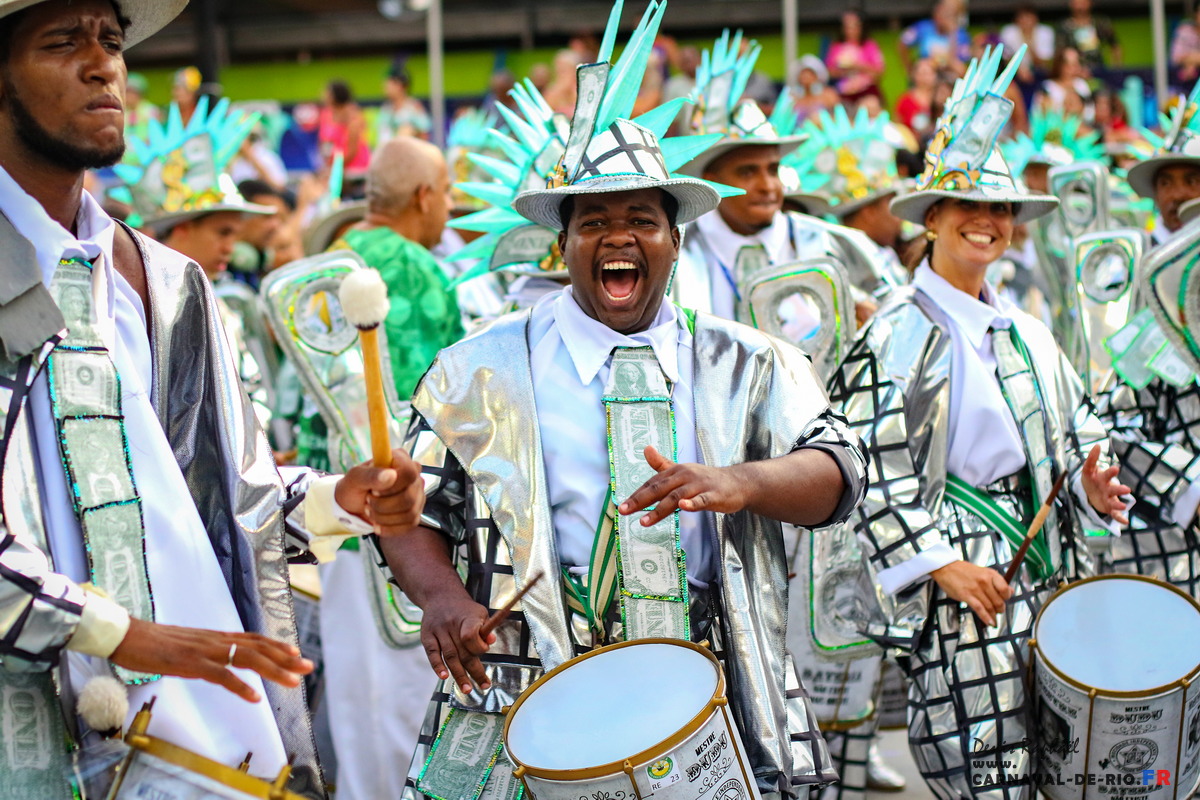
[628, 721]
[1115, 661]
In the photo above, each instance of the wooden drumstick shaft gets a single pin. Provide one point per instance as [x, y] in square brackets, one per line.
[1034, 528]
[494, 620]
[377, 407]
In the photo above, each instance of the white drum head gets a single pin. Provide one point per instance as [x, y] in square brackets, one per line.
[611, 706]
[1120, 634]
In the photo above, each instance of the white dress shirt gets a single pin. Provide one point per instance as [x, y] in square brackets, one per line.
[984, 443]
[723, 248]
[185, 578]
[570, 357]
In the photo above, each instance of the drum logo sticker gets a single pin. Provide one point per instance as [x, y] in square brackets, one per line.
[731, 789]
[1133, 755]
[662, 773]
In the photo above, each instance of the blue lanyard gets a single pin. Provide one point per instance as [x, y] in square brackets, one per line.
[729, 274]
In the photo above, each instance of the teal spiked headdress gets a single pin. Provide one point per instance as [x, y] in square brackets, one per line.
[608, 152]
[845, 164]
[1179, 144]
[470, 133]
[1054, 139]
[180, 170]
[720, 81]
[962, 160]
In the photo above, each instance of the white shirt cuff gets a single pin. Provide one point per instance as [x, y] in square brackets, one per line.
[102, 625]
[893, 579]
[1091, 518]
[1185, 507]
[324, 517]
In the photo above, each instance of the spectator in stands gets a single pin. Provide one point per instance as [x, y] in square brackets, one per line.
[855, 61]
[914, 110]
[541, 75]
[499, 85]
[257, 160]
[560, 94]
[941, 38]
[1088, 35]
[185, 91]
[1185, 51]
[1112, 119]
[401, 114]
[810, 87]
[681, 84]
[1025, 29]
[343, 129]
[1067, 89]
[254, 254]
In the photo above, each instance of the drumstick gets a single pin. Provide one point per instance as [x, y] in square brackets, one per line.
[365, 303]
[1034, 527]
[494, 620]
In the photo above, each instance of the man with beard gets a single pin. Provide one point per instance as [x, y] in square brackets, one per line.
[160, 556]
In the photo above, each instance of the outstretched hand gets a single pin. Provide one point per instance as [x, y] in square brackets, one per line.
[1102, 488]
[450, 634]
[389, 499]
[984, 590]
[196, 653]
[687, 487]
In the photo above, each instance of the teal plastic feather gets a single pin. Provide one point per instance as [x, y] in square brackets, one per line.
[625, 80]
[502, 171]
[610, 31]
[659, 119]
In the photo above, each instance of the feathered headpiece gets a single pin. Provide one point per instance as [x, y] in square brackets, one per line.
[721, 80]
[180, 169]
[962, 160]
[469, 133]
[845, 164]
[1054, 139]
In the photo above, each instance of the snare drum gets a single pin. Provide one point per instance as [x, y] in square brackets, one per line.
[156, 768]
[635, 719]
[1117, 713]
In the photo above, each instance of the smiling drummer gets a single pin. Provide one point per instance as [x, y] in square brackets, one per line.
[524, 427]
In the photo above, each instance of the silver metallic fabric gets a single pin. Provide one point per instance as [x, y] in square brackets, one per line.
[473, 432]
[223, 455]
[1156, 438]
[894, 388]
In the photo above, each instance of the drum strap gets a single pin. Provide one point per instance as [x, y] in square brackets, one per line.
[652, 575]
[85, 397]
[981, 504]
[1022, 390]
[590, 596]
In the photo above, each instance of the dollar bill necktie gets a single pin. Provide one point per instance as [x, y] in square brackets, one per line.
[652, 576]
[85, 398]
[1021, 387]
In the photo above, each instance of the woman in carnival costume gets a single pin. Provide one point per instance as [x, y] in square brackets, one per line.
[957, 475]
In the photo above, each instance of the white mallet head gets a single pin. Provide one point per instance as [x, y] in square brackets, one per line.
[103, 705]
[364, 299]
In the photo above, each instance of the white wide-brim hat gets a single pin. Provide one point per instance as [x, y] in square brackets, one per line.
[696, 198]
[1189, 210]
[1141, 175]
[146, 17]
[324, 230]
[624, 158]
[994, 184]
[820, 205]
[167, 221]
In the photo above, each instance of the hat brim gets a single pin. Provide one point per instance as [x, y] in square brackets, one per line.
[1141, 175]
[819, 205]
[696, 198]
[913, 206]
[322, 233]
[146, 17]
[697, 165]
[1189, 210]
[168, 221]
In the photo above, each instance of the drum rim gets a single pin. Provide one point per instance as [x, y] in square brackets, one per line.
[717, 700]
[1041, 657]
[214, 770]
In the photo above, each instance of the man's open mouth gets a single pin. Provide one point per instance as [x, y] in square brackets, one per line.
[619, 279]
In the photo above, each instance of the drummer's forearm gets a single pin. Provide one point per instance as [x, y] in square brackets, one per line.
[420, 561]
[802, 488]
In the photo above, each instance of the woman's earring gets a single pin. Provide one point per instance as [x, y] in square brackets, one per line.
[931, 236]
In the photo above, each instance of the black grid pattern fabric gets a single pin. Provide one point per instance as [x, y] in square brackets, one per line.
[1156, 439]
[850, 750]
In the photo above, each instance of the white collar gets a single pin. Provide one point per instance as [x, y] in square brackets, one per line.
[590, 342]
[974, 316]
[725, 244]
[51, 240]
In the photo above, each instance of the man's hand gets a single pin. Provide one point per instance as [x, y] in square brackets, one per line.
[450, 636]
[984, 590]
[1103, 490]
[389, 499]
[196, 653]
[688, 487]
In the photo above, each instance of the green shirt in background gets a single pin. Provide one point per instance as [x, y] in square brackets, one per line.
[424, 316]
